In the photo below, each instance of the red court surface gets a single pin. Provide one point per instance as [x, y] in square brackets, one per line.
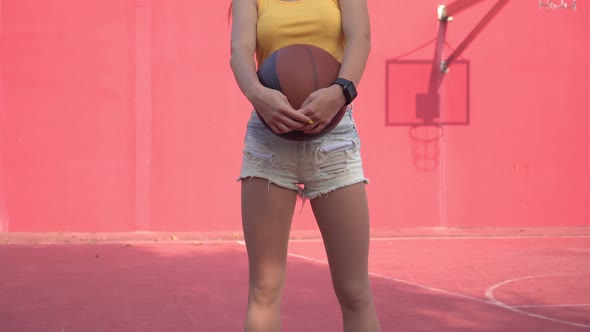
[423, 280]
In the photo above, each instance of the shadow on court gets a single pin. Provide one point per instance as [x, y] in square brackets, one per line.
[188, 287]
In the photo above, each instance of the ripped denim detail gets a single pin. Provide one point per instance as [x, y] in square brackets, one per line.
[261, 155]
[332, 158]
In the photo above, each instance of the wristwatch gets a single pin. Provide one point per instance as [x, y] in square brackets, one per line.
[347, 88]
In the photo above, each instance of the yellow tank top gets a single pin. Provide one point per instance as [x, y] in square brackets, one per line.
[287, 22]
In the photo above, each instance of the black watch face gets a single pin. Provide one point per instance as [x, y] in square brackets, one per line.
[348, 89]
[351, 91]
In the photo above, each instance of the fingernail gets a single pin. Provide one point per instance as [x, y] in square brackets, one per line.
[310, 122]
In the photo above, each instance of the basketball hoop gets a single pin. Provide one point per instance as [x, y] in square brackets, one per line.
[425, 144]
[557, 4]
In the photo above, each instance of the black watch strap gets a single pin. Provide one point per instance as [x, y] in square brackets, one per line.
[342, 81]
[348, 89]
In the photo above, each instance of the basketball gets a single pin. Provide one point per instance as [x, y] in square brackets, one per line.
[297, 71]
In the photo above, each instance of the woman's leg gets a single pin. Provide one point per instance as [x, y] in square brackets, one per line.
[267, 212]
[343, 219]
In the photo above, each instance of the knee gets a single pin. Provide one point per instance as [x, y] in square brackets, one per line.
[353, 295]
[267, 290]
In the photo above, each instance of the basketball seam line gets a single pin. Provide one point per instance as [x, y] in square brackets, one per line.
[313, 64]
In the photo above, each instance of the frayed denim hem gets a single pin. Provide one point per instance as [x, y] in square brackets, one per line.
[327, 191]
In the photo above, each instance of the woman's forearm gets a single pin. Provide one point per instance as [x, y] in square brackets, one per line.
[356, 53]
[244, 69]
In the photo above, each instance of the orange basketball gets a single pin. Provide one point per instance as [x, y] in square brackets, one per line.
[297, 71]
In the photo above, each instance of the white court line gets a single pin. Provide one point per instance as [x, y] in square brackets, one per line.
[490, 295]
[381, 276]
[489, 292]
[73, 242]
[552, 305]
[492, 300]
[459, 237]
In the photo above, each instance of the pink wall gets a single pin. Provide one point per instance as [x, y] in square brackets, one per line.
[117, 116]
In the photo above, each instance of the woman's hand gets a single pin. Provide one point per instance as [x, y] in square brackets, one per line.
[321, 106]
[276, 111]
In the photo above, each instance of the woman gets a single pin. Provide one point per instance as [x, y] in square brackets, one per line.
[328, 171]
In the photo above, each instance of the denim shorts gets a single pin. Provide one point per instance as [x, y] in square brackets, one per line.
[312, 168]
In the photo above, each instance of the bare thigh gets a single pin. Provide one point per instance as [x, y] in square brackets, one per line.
[267, 212]
[343, 219]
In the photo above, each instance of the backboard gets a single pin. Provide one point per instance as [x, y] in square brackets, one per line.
[409, 100]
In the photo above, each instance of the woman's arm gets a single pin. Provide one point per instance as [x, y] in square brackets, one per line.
[243, 46]
[272, 105]
[357, 33]
[323, 104]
